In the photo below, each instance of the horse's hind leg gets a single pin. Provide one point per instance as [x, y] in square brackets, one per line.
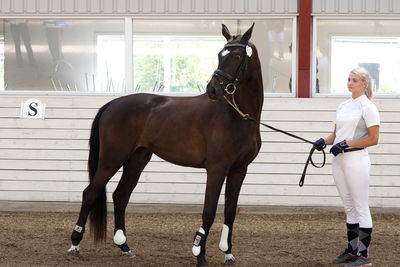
[130, 176]
[90, 196]
[233, 185]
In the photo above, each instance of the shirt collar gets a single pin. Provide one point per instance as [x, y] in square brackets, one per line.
[360, 98]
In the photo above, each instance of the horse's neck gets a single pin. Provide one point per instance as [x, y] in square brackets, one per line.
[251, 97]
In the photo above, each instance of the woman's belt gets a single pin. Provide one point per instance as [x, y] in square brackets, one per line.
[352, 149]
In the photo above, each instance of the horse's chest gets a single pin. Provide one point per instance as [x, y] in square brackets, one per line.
[248, 147]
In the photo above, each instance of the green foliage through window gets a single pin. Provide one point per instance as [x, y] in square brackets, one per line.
[174, 63]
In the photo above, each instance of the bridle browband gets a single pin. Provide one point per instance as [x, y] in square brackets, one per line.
[232, 84]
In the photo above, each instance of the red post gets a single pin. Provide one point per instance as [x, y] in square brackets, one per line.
[304, 48]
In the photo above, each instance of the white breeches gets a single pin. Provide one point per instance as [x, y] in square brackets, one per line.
[351, 174]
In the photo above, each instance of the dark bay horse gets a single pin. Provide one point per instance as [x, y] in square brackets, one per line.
[204, 131]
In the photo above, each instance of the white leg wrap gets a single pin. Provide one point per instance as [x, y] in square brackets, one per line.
[119, 237]
[223, 243]
[196, 249]
[73, 249]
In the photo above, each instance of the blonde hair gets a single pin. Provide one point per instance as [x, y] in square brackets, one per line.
[366, 77]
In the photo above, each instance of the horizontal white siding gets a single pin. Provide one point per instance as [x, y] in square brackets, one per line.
[45, 160]
[146, 7]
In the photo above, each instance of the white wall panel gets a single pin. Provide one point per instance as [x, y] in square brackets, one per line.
[343, 6]
[385, 6]
[30, 7]
[18, 6]
[5, 6]
[159, 7]
[239, 6]
[371, 7]
[330, 5]
[172, 6]
[279, 6]
[213, 6]
[108, 7]
[69, 6]
[226, 6]
[254, 5]
[395, 6]
[358, 7]
[55, 6]
[186, 7]
[94, 6]
[120, 6]
[147, 7]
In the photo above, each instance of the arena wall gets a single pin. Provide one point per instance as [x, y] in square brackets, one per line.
[45, 160]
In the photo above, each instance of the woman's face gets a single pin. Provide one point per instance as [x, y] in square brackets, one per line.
[355, 84]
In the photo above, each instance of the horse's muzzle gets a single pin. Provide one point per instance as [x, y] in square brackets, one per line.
[214, 92]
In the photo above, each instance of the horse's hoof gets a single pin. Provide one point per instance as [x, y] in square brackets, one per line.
[230, 262]
[201, 262]
[128, 254]
[73, 250]
[229, 259]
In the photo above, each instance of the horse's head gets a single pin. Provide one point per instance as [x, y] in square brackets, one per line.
[232, 63]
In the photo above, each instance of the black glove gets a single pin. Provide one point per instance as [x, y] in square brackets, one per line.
[338, 148]
[319, 144]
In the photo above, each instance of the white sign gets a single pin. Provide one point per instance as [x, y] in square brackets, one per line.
[33, 109]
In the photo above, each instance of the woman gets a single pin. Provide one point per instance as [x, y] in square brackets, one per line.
[356, 127]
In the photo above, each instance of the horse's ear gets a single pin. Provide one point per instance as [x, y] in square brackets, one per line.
[246, 36]
[226, 33]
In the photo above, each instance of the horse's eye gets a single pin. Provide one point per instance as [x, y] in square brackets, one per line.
[237, 57]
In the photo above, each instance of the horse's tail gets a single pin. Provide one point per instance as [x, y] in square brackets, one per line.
[98, 214]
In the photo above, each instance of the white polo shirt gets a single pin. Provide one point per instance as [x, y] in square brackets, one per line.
[354, 117]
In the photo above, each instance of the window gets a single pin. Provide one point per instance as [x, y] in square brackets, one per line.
[181, 55]
[346, 44]
[1, 63]
[59, 55]
[175, 63]
[110, 65]
[273, 39]
[379, 55]
[174, 56]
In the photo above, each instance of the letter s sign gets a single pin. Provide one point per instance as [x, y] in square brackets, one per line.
[33, 109]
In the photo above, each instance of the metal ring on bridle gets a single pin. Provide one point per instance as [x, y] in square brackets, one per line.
[233, 88]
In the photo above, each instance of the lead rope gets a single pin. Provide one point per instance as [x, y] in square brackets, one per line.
[248, 117]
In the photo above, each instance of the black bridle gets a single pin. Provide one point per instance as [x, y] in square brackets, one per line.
[232, 81]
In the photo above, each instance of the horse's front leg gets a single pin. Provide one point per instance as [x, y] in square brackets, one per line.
[215, 180]
[121, 198]
[233, 185]
[130, 177]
